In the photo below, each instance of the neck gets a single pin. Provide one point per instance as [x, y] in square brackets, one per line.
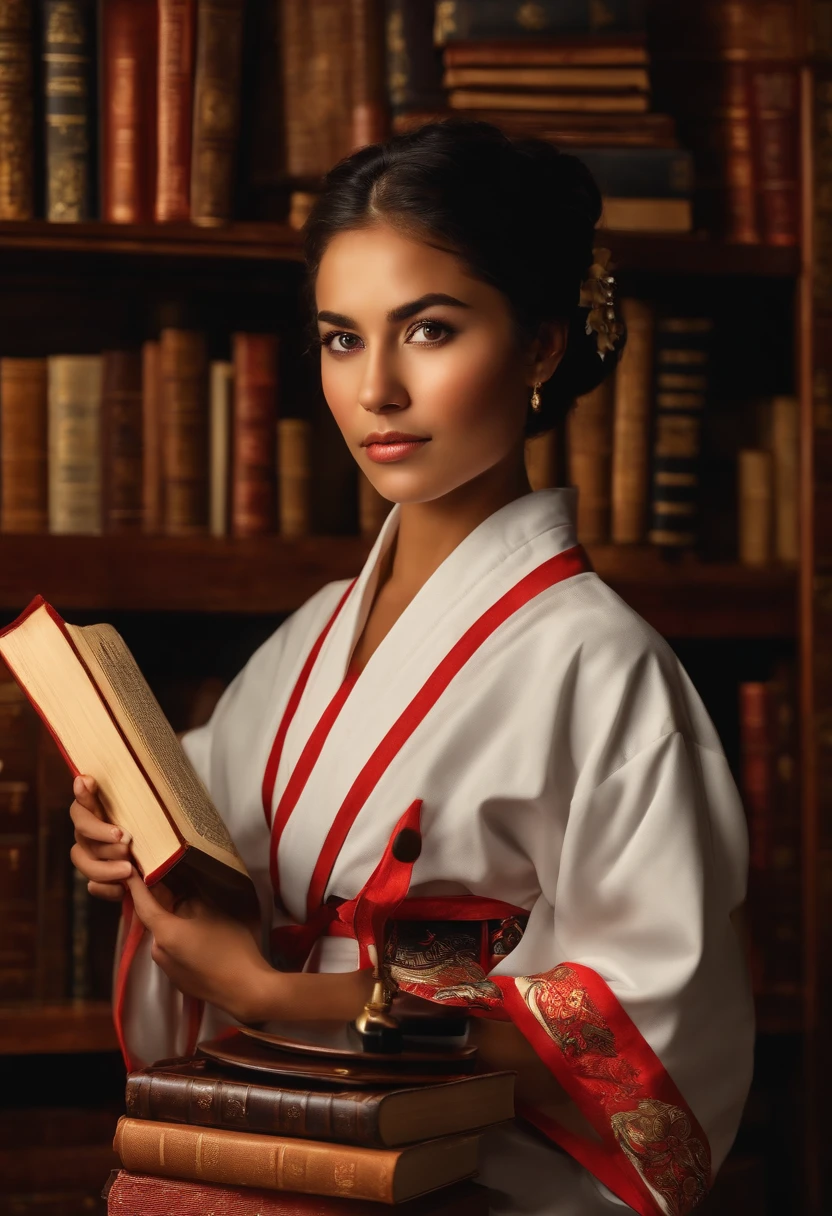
[429, 531]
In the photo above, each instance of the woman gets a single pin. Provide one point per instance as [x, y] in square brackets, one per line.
[583, 850]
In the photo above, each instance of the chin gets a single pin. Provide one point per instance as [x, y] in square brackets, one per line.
[408, 486]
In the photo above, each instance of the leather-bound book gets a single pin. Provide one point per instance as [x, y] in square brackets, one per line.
[589, 429]
[131, 1194]
[369, 95]
[16, 111]
[216, 110]
[68, 30]
[317, 85]
[151, 438]
[775, 95]
[616, 51]
[254, 444]
[294, 477]
[546, 103]
[414, 62]
[183, 401]
[222, 414]
[121, 441]
[632, 416]
[200, 1092]
[277, 1163]
[177, 37]
[74, 391]
[756, 507]
[458, 20]
[129, 34]
[682, 362]
[785, 450]
[24, 445]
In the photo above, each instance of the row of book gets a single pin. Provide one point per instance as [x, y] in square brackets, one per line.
[633, 447]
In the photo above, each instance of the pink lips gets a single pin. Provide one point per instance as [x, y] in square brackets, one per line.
[384, 447]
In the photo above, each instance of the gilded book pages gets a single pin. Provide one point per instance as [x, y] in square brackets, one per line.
[75, 383]
[631, 425]
[23, 445]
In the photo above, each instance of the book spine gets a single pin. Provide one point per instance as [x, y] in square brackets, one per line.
[681, 388]
[152, 480]
[16, 111]
[414, 62]
[255, 434]
[236, 1106]
[244, 1159]
[640, 172]
[318, 96]
[785, 450]
[774, 94]
[18, 916]
[632, 410]
[545, 103]
[462, 19]
[626, 49]
[216, 110]
[128, 68]
[121, 444]
[599, 81]
[183, 371]
[541, 461]
[294, 479]
[68, 108]
[756, 507]
[222, 410]
[24, 446]
[369, 97]
[589, 430]
[756, 776]
[174, 109]
[74, 389]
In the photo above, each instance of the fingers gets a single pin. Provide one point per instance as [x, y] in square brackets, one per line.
[87, 815]
[107, 890]
[96, 868]
[148, 909]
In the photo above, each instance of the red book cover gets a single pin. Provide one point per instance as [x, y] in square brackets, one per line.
[255, 434]
[128, 111]
[177, 45]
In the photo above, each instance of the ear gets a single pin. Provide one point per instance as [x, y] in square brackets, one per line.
[547, 350]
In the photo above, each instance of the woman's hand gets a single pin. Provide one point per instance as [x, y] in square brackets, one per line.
[101, 851]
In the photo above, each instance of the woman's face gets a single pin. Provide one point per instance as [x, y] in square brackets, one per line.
[414, 345]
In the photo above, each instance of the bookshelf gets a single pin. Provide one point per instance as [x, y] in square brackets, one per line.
[57, 1029]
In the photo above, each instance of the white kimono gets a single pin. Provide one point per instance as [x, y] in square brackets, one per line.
[561, 768]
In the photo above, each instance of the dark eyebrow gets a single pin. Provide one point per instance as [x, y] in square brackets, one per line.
[397, 314]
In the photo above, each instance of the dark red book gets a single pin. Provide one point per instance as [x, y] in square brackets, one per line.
[177, 46]
[775, 129]
[121, 441]
[254, 467]
[129, 31]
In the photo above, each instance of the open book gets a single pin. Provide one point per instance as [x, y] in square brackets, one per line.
[88, 689]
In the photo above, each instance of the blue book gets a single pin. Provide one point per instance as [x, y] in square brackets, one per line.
[485, 19]
[639, 172]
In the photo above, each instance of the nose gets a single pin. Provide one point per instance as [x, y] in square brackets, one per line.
[381, 389]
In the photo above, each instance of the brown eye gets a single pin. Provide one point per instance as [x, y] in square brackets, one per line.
[434, 332]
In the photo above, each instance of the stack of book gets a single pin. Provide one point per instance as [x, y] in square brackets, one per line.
[208, 1134]
[562, 74]
[728, 71]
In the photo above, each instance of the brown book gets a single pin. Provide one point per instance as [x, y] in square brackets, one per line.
[68, 27]
[632, 415]
[775, 128]
[648, 214]
[183, 371]
[756, 752]
[582, 103]
[121, 441]
[595, 80]
[16, 111]
[756, 507]
[216, 110]
[91, 695]
[222, 415]
[254, 444]
[128, 1193]
[74, 389]
[541, 52]
[294, 480]
[589, 429]
[280, 1164]
[129, 35]
[317, 85]
[785, 450]
[177, 36]
[151, 438]
[24, 416]
[199, 1092]
[369, 88]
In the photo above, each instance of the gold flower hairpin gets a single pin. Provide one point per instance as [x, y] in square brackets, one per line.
[598, 295]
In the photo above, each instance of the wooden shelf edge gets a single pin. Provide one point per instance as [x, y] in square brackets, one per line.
[57, 1028]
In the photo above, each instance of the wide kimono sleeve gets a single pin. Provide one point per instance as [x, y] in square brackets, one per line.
[630, 981]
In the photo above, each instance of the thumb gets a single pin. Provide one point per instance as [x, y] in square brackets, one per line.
[147, 907]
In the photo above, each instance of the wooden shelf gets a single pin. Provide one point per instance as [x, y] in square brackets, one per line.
[681, 598]
[73, 1026]
[633, 251]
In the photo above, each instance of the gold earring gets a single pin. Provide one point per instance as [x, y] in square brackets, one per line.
[535, 402]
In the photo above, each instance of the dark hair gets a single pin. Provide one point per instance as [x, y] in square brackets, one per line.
[519, 212]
